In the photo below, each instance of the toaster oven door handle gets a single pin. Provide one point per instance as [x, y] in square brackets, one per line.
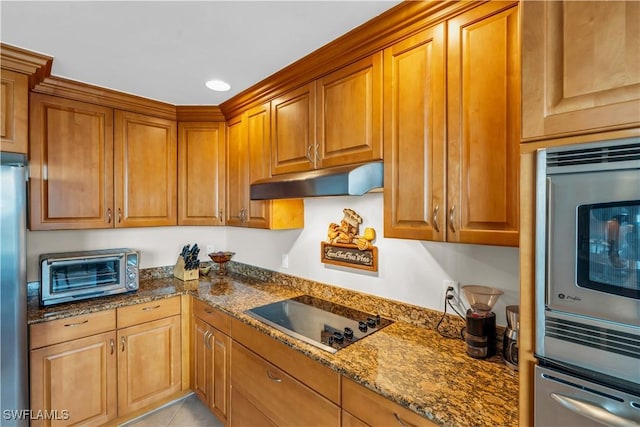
[105, 258]
[592, 411]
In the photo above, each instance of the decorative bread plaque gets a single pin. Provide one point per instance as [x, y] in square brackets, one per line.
[346, 247]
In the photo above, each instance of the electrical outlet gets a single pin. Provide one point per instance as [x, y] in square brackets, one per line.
[210, 249]
[452, 283]
[455, 290]
[285, 261]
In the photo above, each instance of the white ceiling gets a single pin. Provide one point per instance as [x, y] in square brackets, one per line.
[166, 50]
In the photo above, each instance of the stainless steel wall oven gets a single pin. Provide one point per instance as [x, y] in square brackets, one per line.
[588, 261]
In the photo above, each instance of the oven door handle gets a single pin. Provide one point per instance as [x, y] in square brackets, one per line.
[592, 411]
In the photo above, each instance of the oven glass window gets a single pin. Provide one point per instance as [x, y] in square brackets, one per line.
[84, 275]
[609, 248]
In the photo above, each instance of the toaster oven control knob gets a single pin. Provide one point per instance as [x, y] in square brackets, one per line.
[348, 333]
[338, 337]
[362, 326]
[371, 322]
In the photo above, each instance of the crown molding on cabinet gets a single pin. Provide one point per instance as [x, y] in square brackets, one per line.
[397, 23]
[36, 65]
[199, 113]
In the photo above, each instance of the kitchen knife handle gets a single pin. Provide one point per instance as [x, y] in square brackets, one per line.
[451, 217]
[435, 218]
[109, 216]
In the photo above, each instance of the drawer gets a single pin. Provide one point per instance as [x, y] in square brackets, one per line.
[148, 311]
[212, 316]
[71, 328]
[320, 378]
[376, 410]
[279, 396]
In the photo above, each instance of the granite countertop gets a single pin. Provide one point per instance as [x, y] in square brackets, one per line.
[412, 365]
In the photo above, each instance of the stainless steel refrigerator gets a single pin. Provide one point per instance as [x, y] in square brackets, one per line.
[14, 388]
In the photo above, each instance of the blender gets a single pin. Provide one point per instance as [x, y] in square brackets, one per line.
[481, 321]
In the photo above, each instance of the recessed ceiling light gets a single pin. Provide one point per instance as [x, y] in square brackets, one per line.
[218, 85]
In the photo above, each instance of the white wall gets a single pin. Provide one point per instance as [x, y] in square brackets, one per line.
[408, 270]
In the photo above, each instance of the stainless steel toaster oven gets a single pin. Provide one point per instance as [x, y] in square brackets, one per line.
[72, 276]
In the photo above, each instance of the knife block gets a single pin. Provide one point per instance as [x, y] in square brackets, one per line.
[180, 273]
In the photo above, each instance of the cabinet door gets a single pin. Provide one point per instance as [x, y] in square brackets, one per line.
[71, 155]
[237, 173]
[258, 123]
[483, 125]
[414, 137]
[349, 114]
[14, 112]
[220, 347]
[149, 366]
[77, 379]
[201, 173]
[201, 360]
[581, 67]
[145, 170]
[293, 130]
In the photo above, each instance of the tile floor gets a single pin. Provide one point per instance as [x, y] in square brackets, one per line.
[186, 412]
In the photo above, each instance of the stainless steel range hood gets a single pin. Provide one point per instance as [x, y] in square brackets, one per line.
[353, 180]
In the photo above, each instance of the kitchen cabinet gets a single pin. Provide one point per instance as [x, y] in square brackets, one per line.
[201, 173]
[580, 67]
[332, 121]
[14, 112]
[248, 142]
[145, 170]
[475, 199]
[271, 384]
[364, 407]
[211, 358]
[88, 171]
[149, 353]
[71, 165]
[73, 369]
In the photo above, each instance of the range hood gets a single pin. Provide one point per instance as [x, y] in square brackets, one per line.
[353, 180]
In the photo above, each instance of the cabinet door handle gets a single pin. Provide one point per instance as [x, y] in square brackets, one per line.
[151, 308]
[72, 325]
[109, 216]
[435, 218]
[451, 217]
[272, 378]
[122, 341]
[119, 215]
[401, 422]
[220, 216]
[316, 154]
[308, 156]
[207, 344]
[112, 344]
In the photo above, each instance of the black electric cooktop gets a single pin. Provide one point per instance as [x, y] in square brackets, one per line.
[324, 324]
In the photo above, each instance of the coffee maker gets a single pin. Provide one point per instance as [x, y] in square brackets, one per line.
[480, 333]
[510, 339]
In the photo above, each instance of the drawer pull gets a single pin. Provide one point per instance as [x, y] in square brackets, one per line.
[401, 421]
[71, 325]
[151, 308]
[208, 311]
[272, 378]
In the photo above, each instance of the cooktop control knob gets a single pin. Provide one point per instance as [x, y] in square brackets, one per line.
[371, 322]
[362, 326]
[338, 337]
[348, 333]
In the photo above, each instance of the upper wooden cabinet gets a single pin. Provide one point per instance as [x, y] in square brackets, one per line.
[475, 198]
[581, 67]
[414, 137]
[483, 125]
[248, 142]
[71, 165]
[349, 114]
[201, 173]
[145, 163]
[293, 139]
[80, 179]
[335, 120]
[14, 112]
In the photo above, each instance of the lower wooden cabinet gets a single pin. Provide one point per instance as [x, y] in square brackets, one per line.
[245, 413]
[211, 367]
[281, 399]
[76, 381]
